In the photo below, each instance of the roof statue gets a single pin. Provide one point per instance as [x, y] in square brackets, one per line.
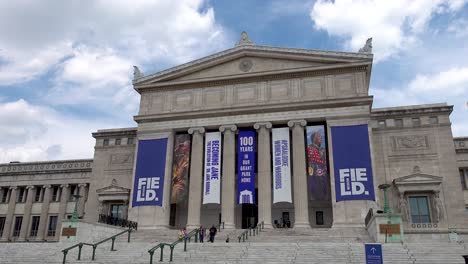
[367, 47]
[137, 73]
[244, 39]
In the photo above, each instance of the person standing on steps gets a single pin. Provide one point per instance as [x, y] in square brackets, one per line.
[213, 232]
[201, 234]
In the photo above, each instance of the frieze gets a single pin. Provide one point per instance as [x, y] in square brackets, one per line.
[46, 167]
[412, 142]
[461, 144]
[120, 159]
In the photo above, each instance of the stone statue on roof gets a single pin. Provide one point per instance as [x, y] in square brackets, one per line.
[245, 39]
[137, 73]
[367, 47]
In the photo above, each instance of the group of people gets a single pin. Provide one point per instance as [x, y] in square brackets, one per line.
[201, 233]
[282, 223]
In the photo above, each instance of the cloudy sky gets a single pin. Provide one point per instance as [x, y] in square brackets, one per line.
[66, 66]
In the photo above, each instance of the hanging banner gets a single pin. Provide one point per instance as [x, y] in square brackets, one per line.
[212, 177]
[180, 168]
[317, 170]
[352, 163]
[281, 165]
[148, 187]
[246, 167]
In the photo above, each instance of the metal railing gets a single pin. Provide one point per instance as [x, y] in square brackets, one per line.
[110, 220]
[194, 233]
[94, 246]
[251, 232]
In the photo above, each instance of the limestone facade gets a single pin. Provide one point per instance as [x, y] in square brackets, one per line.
[260, 88]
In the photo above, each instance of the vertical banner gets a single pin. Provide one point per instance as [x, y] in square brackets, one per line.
[352, 163]
[212, 176]
[281, 165]
[148, 187]
[246, 167]
[317, 171]
[180, 168]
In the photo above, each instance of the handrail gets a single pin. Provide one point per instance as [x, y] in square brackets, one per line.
[94, 245]
[193, 233]
[248, 232]
[110, 220]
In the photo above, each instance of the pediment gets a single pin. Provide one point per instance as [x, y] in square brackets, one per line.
[113, 189]
[418, 178]
[252, 60]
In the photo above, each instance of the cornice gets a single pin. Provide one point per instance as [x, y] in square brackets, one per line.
[115, 132]
[253, 109]
[411, 111]
[255, 77]
[47, 167]
[244, 50]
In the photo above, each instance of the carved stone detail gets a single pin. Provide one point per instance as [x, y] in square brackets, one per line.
[118, 159]
[244, 39]
[367, 47]
[245, 65]
[410, 142]
[438, 208]
[403, 205]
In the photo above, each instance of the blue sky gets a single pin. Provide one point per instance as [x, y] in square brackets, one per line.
[66, 66]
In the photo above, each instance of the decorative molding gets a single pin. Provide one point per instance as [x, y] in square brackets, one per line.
[46, 167]
[226, 128]
[294, 123]
[199, 130]
[266, 125]
[119, 159]
[245, 65]
[412, 142]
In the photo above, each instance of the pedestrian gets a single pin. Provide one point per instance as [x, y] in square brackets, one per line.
[184, 232]
[213, 231]
[180, 234]
[201, 234]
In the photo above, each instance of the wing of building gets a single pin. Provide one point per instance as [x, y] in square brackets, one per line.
[254, 133]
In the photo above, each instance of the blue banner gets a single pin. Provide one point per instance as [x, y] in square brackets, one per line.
[352, 163]
[374, 254]
[148, 187]
[246, 167]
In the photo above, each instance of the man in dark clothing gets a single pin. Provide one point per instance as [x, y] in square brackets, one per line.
[201, 233]
[213, 231]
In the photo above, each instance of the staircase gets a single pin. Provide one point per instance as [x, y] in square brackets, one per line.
[331, 246]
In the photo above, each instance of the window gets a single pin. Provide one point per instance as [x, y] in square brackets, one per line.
[398, 122]
[106, 142]
[382, 123]
[419, 209]
[37, 197]
[433, 120]
[18, 223]
[2, 225]
[34, 225]
[21, 194]
[416, 121]
[52, 225]
[55, 194]
[117, 210]
[130, 141]
[118, 141]
[4, 195]
[463, 175]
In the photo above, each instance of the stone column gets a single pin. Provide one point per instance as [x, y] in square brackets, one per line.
[196, 177]
[10, 212]
[301, 206]
[81, 202]
[228, 178]
[264, 173]
[27, 213]
[41, 230]
[64, 194]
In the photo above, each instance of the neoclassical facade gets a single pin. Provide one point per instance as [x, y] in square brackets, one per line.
[199, 111]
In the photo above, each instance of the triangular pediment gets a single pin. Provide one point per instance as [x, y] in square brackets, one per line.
[113, 189]
[251, 60]
[418, 178]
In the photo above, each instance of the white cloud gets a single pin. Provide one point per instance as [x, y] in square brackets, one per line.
[453, 81]
[31, 132]
[394, 25]
[459, 27]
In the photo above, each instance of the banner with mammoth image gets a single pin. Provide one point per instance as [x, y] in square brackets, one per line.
[180, 168]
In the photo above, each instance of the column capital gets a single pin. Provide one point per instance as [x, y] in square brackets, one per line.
[225, 128]
[82, 185]
[266, 125]
[199, 130]
[30, 187]
[294, 123]
[13, 187]
[64, 186]
[47, 186]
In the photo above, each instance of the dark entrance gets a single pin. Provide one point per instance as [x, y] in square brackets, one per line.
[250, 214]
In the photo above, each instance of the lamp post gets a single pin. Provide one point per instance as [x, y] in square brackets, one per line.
[75, 211]
[384, 187]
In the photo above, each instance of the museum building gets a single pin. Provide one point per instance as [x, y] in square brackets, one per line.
[283, 136]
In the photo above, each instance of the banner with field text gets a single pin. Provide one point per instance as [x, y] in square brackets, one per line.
[180, 168]
[352, 163]
[281, 165]
[246, 167]
[148, 187]
[212, 175]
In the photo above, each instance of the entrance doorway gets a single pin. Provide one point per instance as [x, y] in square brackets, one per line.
[250, 214]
